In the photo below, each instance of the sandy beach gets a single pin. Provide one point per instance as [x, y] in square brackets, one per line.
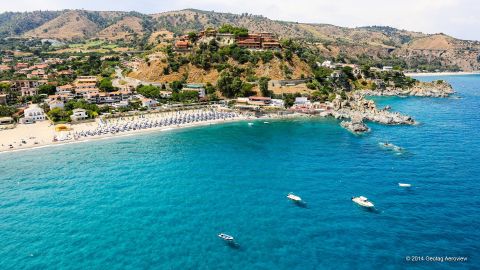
[419, 74]
[42, 134]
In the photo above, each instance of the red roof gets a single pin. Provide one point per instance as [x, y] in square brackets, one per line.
[260, 98]
[181, 43]
[248, 41]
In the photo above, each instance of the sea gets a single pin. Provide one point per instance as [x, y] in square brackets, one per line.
[159, 200]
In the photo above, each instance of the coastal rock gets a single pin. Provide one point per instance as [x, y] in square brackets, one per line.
[420, 89]
[355, 126]
[357, 109]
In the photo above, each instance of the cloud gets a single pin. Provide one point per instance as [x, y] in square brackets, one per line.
[454, 17]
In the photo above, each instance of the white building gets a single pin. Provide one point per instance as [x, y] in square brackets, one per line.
[79, 114]
[387, 68]
[33, 114]
[302, 101]
[166, 94]
[121, 104]
[328, 64]
[148, 102]
[277, 103]
[56, 104]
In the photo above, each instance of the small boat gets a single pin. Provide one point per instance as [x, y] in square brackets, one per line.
[391, 146]
[250, 124]
[294, 197]
[226, 237]
[266, 122]
[404, 185]
[362, 201]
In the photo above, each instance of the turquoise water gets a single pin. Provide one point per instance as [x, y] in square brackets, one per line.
[158, 200]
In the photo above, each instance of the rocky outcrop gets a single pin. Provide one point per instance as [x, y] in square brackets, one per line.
[420, 89]
[355, 125]
[358, 109]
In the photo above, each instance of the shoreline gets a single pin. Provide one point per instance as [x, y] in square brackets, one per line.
[126, 134]
[146, 131]
[449, 73]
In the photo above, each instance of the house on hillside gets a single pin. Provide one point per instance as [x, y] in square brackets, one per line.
[68, 88]
[56, 104]
[259, 101]
[251, 41]
[148, 102]
[27, 91]
[263, 40]
[182, 46]
[302, 101]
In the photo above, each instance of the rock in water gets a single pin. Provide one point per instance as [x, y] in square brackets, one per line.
[356, 125]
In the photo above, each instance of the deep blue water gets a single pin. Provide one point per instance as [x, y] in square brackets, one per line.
[157, 201]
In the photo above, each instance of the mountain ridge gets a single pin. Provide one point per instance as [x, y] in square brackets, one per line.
[411, 48]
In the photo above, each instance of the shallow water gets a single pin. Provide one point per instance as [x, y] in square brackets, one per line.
[159, 200]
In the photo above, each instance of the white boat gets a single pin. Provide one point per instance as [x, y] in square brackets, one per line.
[404, 185]
[362, 201]
[391, 146]
[226, 237]
[250, 124]
[294, 197]
[266, 122]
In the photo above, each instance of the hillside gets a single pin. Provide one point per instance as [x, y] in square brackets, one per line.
[69, 25]
[126, 28]
[373, 44]
[274, 69]
[17, 23]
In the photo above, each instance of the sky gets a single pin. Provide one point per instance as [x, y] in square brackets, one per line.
[458, 18]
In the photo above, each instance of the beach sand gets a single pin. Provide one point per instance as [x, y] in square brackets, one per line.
[25, 136]
[41, 134]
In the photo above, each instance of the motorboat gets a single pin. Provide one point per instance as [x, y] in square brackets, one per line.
[404, 185]
[363, 201]
[294, 197]
[391, 146]
[250, 124]
[266, 122]
[226, 237]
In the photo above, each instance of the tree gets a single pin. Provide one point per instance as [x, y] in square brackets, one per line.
[348, 71]
[229, 85]
[185, 96]
[4, 87]
[106, 85]
[149, 91]
[176, 85]
[322, 73]
[192, 36]
[209, 88]
[59, 114]
[263, 85]
[266, 56]
[246, 90]
[6, 110]
[237, 31]
[47, 89]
